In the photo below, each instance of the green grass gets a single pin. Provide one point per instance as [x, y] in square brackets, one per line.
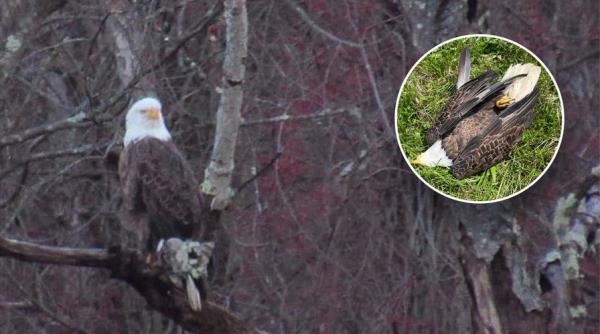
[429, 88]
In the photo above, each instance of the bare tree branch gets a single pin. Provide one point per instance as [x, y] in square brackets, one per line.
[151, 281]
[484, 313]
[127, 62]
[78, 120]
[217, 179]
[30, 252]
[83, 149]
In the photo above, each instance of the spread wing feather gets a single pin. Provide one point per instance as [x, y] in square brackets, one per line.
[496, 141]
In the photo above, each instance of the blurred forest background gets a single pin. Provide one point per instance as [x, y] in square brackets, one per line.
[337, 235]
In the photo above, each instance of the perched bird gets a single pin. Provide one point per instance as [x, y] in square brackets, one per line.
[161, 195]
[483, 121]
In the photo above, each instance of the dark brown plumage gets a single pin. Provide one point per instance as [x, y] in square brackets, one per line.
[467, 101]
[497, 139]
[472, 133]
[455, 141]
[160, 192]
[466, 92]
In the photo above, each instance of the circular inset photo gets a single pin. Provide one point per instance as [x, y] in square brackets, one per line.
[479, 118]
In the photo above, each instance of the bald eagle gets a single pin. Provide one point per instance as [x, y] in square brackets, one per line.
[483, 121]
[161, 195]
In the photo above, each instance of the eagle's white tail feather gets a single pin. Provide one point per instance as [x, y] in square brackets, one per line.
[522, 86]
[193, 295]
[434, 156]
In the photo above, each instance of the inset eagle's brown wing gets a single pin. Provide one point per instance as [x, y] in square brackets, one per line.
[456, 109]
[496, 141]
[468, 128]
[473, 105]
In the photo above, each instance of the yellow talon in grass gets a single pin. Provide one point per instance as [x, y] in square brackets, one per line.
[503, 102]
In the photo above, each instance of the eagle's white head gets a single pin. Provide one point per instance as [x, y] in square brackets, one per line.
[144, 119]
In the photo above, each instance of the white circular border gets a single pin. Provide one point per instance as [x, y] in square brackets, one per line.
[562, 112]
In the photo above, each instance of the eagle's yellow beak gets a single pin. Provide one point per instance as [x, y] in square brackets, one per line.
[417, 161]
[153, 114]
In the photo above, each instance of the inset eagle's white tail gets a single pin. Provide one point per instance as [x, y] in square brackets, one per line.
[521, 87]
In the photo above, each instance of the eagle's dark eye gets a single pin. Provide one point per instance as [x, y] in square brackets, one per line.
[143, 111]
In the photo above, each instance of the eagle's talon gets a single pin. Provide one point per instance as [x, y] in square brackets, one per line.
[503, 102]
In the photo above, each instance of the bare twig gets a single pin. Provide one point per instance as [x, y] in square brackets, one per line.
[304, 15]
[284, 118]
[589, 55]
[78, 120]
[17, 190]
[373, 82]
[209, 16]
[83, 149]
[259, 173]
[25, 304]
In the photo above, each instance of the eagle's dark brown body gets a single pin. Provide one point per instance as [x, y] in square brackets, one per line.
[493, 143]
[476, 134]
[161, 195]
[455, 110]
[467, 129]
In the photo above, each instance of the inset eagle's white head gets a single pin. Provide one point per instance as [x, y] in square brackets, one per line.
[144, 119]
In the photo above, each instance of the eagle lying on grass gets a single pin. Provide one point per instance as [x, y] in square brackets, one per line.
[161, 196]
[483, 121]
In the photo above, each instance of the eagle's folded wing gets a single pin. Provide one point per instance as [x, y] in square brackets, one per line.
[496, 141]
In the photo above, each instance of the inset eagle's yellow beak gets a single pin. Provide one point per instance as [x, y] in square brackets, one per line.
[417, 161]
[153, 114]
